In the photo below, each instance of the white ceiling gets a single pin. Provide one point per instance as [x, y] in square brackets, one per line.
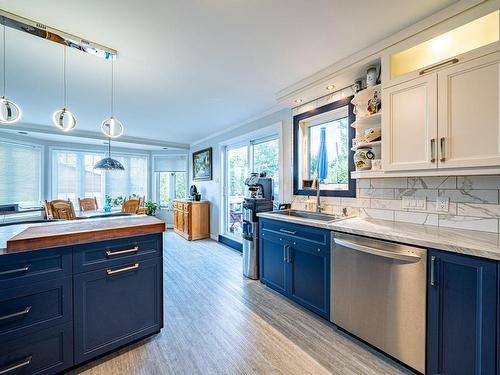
[187, 69]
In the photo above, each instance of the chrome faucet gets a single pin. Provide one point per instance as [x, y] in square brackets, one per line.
[318, 196]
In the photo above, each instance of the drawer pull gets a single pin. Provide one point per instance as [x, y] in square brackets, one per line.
[292, 232]
[17, 270]
[120, 270]
[13, 315]
[110, 253]
[25, 362]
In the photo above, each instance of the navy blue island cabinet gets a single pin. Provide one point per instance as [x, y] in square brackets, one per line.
[462, 314]
[295, 261]
[64, 306]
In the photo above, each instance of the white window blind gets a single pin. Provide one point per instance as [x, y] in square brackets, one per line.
[170, 163]
[20, 173]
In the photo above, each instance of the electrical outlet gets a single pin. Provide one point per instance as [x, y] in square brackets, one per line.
[442, 204]
[413, 203]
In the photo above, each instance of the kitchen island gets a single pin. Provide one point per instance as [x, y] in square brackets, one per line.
[72, 291]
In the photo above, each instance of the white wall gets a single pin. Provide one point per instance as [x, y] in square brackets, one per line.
[211, 190]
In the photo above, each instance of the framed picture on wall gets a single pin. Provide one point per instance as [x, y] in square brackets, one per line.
[202, 165]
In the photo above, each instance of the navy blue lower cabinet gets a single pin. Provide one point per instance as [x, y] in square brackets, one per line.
[295, 261]
[461, 314]
[29, 308]
[115, 306]
[309, 277]
[45, 352]
[272, 261]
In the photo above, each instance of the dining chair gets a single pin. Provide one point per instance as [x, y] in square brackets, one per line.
[142, 208]
[48, 212]
[131, 206]
[62, 209]
[88, 204]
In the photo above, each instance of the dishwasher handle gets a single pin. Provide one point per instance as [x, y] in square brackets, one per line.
[383, 253]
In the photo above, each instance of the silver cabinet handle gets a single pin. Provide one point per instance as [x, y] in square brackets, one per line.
[373, 251]
[285, 254]
[440, 65]
[433, 150]
[433, 270]
[290, 260]
[442, 149]
[19, 313]
[25, 362]
[288, 231]
[120, 270]
[110, 253]
[22, 269]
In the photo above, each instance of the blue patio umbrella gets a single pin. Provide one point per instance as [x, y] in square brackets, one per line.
[322, 157]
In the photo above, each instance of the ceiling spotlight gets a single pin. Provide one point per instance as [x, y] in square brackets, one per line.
[22, 133]
[298, 101]
[330, 87]
[165, 148]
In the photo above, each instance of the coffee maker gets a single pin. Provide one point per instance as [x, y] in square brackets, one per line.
[258, 198]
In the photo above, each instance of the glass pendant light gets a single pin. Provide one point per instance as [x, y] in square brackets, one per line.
[10, 112]
[109, 164]
[64, 119]
[112, 127]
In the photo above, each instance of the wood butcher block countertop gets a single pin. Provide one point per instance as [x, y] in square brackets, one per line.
[26, 237]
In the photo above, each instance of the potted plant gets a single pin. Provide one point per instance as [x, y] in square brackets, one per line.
[150, 207]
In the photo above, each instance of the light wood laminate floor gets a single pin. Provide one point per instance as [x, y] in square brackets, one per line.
[218, 322]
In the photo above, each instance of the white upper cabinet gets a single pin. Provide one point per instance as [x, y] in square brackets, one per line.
[441, 98]
[468, 113]
[467, 36]
[409, 125]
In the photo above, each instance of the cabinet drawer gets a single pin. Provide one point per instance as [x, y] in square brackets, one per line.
[33, 307]
[113, 253]
[33, 266]
[47, 352]
[116, 306]
[319, 237]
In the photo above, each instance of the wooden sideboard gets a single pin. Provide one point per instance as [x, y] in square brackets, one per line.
[192, 219]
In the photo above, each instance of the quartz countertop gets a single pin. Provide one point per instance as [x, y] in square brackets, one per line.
[481, 244]
[27, 237]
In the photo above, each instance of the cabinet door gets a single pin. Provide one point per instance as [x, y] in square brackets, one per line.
[409, 125]
[113, 307]
[272, 261]
[461, 309]
[469, 118]
[185, 222]
[175, 218]
[180, 220]
[309, 277]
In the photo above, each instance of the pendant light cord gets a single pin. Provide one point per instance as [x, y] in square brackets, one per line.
[109, 147]
[64, 76]
[112, 87]
[4, 68]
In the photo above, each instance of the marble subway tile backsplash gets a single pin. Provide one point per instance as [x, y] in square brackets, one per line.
[473, 201]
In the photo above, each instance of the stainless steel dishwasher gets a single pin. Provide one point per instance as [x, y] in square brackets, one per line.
[379, 295]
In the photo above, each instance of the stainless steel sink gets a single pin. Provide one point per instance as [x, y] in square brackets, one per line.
[308, 215]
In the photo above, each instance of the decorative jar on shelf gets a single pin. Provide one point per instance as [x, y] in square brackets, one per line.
[363, 158]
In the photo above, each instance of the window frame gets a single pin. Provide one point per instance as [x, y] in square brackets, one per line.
[351, 192]
[249, 141]
[53, 175]
[172, 186]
